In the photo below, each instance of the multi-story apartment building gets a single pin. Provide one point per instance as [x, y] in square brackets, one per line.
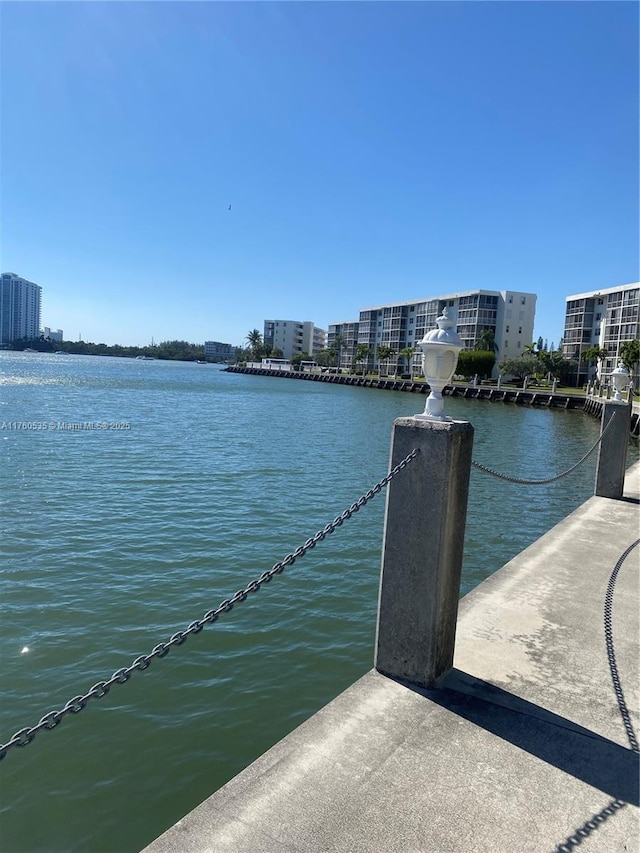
[601, 318]
[294, 337]
[216, 349]
[402, 325]
[343, 337]
[19, 308]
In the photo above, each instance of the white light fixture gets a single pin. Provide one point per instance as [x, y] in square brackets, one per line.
[619, 380]
[440, 349]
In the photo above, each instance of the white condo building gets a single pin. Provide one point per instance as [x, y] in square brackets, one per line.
[217, 349]
[294, 337]
[600, 318]
[52, 335]
[19, 308]
[509, 314]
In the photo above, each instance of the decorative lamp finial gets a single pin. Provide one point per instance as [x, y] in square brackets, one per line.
[619, 380]
[440, 349]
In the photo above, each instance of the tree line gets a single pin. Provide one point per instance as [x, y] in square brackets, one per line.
[166, 350]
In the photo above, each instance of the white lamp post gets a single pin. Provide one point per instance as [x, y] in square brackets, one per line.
[440, 348]
[619, 380]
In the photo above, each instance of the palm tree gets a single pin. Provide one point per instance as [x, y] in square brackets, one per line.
[630, 357]
[592, 356]
[338, 344]
[384, 354]
[255, 342]
[486, 341]
[407, 355]
[393, 354]
[361, 355]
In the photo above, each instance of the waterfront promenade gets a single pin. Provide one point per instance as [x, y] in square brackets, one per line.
[525, 746]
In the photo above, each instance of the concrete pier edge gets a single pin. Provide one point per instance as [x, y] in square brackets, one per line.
[522, 748]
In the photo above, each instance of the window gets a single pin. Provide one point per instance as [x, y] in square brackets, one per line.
[510, 300]
[506, 344]
[518, 344]
[519, 330]
[524, 300]
[506, 329]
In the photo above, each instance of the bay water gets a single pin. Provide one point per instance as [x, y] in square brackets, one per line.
[192, 482]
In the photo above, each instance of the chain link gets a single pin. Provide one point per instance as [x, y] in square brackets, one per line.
[546, 480]
[611, 654]
[25, 736]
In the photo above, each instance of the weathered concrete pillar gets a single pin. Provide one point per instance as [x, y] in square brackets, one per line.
[422, 550]
[612, 453]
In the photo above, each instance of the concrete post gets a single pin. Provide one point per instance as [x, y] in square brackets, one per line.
[422, 550]
[612, 453]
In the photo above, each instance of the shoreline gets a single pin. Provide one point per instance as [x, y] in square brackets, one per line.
[592, 406]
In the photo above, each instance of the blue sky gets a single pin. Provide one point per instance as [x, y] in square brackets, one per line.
[370, 152]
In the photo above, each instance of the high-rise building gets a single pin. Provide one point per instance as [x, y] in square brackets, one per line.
[294, 337]
[51, 335]
[604, 319]
[19, 308]
[509, 314]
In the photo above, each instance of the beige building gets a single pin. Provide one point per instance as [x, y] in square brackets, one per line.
[509, 314]
[294, 337]
[600, 318]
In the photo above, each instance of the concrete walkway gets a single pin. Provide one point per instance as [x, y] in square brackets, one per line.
[525, 747]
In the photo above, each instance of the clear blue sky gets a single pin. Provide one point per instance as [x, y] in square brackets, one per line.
[370, 152]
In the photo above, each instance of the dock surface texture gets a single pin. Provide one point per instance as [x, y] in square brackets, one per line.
[529, 744]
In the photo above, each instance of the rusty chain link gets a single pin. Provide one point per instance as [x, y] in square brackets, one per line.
[25, 736]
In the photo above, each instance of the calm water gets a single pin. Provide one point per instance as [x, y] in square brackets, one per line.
[113, 539]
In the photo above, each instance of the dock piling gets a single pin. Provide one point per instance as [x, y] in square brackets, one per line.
[422, 550]
[612, 453]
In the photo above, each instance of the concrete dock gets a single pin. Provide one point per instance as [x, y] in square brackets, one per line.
[524, 746]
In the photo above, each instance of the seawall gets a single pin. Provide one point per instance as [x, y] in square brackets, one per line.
[530, 397]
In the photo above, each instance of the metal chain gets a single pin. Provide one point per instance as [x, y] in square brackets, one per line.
[611, 655]
[546, 480]
[577, 837]
[25, 736]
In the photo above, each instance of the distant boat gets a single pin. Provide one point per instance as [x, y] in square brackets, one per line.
[145, 358]
[199, 361]
[28, 349]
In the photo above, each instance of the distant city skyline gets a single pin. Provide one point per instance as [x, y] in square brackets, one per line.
[187, 170]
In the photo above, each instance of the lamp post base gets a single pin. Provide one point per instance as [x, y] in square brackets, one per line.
[434, 407]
